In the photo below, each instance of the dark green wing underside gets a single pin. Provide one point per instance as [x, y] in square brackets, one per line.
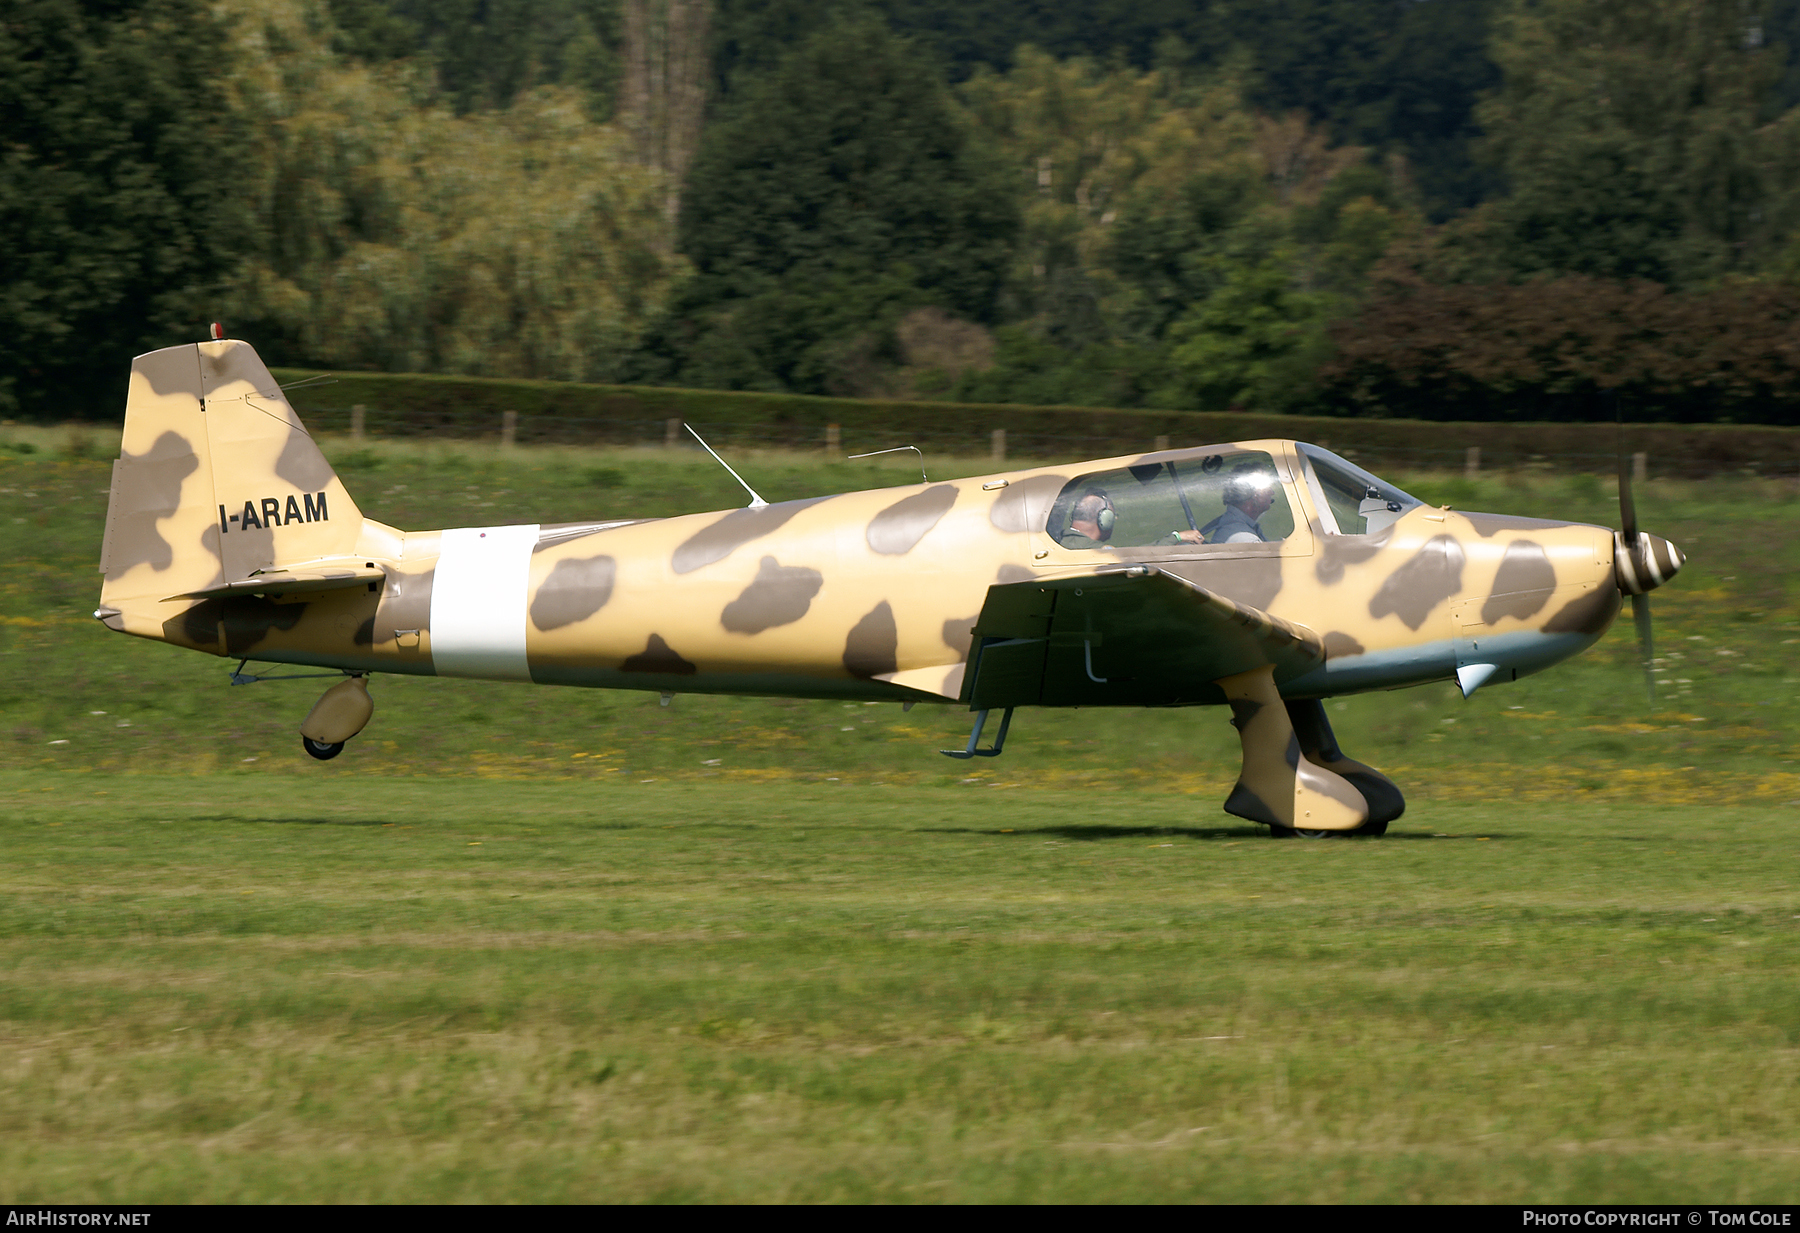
[1133, 637]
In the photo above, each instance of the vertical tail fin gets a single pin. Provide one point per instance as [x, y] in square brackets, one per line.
[217, 480]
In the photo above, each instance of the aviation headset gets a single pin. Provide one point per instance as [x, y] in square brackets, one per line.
[1106, 519]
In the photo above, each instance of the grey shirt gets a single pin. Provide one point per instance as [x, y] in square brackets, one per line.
[1234, 526]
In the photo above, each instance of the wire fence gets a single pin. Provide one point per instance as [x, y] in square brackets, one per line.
[1054, 443]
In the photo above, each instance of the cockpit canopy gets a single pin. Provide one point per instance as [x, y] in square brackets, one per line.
[1219, 495]
[1228, 496]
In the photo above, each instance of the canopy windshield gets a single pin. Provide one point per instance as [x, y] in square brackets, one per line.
[1358, 502]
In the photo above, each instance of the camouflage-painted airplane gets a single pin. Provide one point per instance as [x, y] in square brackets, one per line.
[1261, 575]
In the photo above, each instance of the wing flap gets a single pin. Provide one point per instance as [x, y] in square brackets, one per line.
[944, 681]
[1131, 637]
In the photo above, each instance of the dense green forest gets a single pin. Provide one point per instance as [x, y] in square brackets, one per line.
[1453, 209]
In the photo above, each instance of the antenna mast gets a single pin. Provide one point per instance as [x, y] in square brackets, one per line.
[923, 479]
[756, 502]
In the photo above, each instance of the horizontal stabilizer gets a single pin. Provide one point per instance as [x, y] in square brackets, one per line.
[300, 579]
[1132, 637]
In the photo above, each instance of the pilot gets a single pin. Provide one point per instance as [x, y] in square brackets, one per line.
[1091, 521]
[1248, 492]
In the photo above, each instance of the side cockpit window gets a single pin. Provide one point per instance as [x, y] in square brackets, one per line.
[1234, 497]
[1351, 501]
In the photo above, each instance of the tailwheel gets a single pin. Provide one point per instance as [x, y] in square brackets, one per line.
[324, 751]
[336, 717]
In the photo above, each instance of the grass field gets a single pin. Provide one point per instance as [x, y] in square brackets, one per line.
[426, 990]
[529, 944]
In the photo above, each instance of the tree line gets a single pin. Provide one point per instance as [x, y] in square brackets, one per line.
[1461, 209]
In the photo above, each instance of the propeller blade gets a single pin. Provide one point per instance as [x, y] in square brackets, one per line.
[1627, 507]
[1640, 612]
[1639, 571]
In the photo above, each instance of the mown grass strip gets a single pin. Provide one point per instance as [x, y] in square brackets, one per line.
[411, 990]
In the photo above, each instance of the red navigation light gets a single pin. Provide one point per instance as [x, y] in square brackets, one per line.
[218, 330]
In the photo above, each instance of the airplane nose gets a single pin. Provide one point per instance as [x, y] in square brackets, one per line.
[1646, 564]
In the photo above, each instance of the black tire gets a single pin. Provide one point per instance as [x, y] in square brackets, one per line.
[1372, 830]
[320, 750]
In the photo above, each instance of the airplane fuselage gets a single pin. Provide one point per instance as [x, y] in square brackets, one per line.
[873, 595]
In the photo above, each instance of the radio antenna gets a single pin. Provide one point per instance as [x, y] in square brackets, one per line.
[923, 479]
[756, 502]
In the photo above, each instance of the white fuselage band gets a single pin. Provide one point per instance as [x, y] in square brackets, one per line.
[478, 602]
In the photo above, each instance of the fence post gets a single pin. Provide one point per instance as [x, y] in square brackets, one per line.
[999, 445]
[356, 422]
[1640, 468]
[1472, 462]
[1162, 441]
[509, 429]
[834, 440]
[672, 432]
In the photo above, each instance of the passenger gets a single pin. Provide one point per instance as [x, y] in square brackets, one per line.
[1249, 491]
[1091, 521]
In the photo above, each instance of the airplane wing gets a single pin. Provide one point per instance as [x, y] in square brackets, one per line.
[1137, 637]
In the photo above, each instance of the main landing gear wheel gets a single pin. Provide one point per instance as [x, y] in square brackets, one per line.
[322, 750]
[1369, 829]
